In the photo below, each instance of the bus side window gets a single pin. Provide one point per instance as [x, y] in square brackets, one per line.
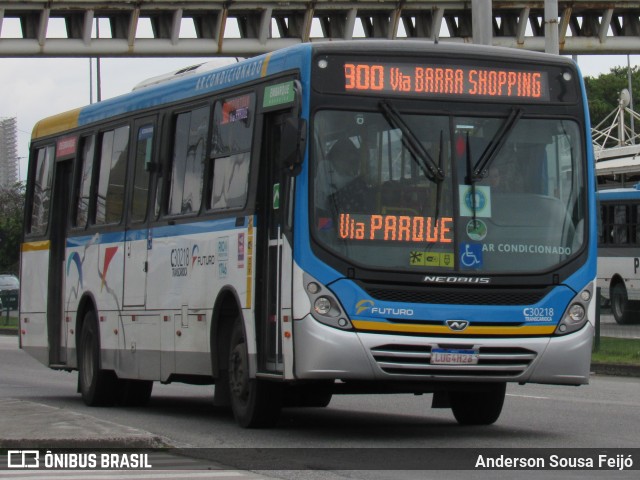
[621, 225]
[42, 191]
[231, 152]
[144, 149]
[83, 189]
[602, 238]
[113, 168]
[185, 185]
[636, 226]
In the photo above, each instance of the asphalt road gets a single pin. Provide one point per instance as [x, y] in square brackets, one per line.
[604, 414]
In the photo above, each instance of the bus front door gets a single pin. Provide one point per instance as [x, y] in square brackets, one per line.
[275, 252]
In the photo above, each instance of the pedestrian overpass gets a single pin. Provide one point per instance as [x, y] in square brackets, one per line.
[147, 28]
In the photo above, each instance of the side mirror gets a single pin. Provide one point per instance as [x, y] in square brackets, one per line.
[293, 142]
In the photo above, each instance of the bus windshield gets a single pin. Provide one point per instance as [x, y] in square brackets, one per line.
[478, 194]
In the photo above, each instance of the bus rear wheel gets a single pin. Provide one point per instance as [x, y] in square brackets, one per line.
[623, 310]
[482, 407]
[98, 387]
[255, 402]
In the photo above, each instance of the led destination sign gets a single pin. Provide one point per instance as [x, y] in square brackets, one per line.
[440, 80]
[395, 228]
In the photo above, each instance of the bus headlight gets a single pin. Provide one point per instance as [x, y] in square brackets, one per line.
[576, 312]
[576, 316]
[326, 307]
[322, 305]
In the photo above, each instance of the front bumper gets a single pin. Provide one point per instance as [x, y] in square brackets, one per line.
[323, 352]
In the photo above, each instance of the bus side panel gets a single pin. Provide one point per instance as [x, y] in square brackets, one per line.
[33, 300]
[619, 263]
[188, 266]
[94, 266]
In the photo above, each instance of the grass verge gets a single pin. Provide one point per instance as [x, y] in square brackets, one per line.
[8, 322]
[617, 350]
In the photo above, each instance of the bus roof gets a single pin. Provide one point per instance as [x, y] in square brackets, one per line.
[613, 194]
[298, 56]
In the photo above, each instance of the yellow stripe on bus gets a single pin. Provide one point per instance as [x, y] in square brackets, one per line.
[265, 65]
[35, 246]
[249, 262]
[56, 124]
[442, 329]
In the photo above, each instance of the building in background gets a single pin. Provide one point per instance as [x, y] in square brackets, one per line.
[8, 151]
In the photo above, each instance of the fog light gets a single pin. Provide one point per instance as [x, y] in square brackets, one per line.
[576, 312]
[585, 295]
[322, 305]
[313, 288]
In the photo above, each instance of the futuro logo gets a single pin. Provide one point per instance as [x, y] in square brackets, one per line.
[363, 305]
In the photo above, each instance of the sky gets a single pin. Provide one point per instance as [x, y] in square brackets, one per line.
[35, 88]
[32, 89]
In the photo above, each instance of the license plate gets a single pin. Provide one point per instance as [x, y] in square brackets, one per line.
[452, 356]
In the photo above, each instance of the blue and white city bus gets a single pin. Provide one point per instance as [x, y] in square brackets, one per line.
[347, 217]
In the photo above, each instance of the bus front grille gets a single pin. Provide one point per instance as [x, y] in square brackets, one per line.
[415, 360]
[457, 295]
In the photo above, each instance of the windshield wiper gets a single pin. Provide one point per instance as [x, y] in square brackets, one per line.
[481, 168]
[439, 184]
[426, 163]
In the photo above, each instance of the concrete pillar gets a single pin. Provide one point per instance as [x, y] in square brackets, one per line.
[551, 44]
[481, 21]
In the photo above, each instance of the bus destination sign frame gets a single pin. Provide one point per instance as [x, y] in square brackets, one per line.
[439, 78]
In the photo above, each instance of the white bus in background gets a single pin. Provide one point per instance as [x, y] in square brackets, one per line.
[619, 252]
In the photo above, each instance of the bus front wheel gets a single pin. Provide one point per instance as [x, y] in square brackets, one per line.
[621, 307]
[255, 402]
[98, 387]
[482, 407]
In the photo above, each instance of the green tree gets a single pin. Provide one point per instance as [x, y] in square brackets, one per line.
[603, 92]
[11, 220]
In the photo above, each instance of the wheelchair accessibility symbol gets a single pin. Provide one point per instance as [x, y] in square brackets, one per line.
[471, 255]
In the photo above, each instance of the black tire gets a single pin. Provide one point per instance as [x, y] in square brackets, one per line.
[481, 407]
[98, 387]
[624, 311]
[255, 402]
[134, 393]
[311, 395]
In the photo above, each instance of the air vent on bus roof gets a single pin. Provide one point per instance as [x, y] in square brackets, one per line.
[186, 71]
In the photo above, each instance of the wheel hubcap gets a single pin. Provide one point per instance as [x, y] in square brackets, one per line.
[87, 364]
[238, 375]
